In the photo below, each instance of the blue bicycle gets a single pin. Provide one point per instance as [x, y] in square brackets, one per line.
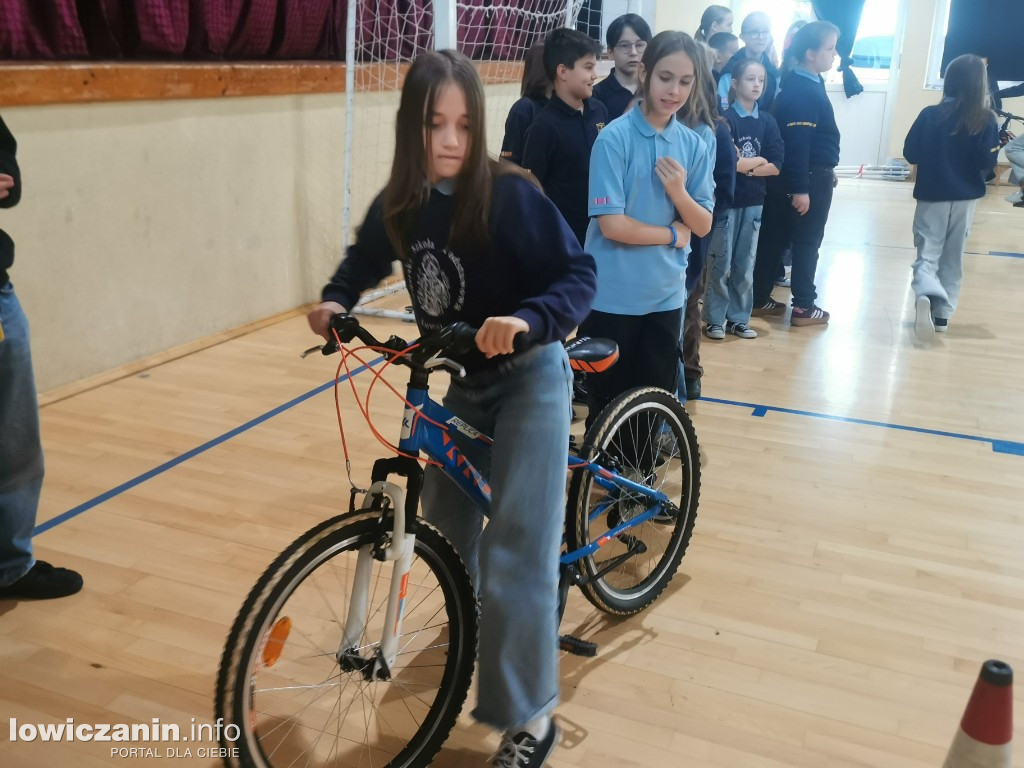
[357, 645]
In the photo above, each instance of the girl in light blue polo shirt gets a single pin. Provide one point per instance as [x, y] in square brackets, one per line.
[650, 189]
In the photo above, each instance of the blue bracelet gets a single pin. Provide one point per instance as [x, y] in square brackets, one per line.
[675, 237]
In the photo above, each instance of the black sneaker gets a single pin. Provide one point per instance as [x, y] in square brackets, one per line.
[43, 582]
[524, 751]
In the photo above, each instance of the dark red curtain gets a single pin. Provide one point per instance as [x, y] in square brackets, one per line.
[208, 30]
[41, 29]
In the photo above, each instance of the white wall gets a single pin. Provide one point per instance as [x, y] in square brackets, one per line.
[147, 225]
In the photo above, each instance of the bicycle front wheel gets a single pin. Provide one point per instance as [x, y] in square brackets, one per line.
[646, 436]
[293, 700]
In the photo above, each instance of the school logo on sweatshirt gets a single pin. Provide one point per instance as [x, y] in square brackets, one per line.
[749, 146]
[437, 280]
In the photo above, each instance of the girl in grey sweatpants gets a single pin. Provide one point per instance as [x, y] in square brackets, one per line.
[954, 145]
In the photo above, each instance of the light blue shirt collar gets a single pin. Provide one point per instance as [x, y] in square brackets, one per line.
[446, 187]
[743, 113]
[636, 116]
[808, 75]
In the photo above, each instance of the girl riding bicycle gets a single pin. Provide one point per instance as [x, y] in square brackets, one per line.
[480, 243]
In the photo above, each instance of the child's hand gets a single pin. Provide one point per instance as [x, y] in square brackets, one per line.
[319, 318]
[682, 234]
[6, 182]
[802, 203]
[672, 175]
[497, 335]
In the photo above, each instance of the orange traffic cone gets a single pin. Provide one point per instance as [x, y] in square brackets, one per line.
[983, 740]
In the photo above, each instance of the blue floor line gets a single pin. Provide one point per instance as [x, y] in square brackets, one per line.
[1010, 254]
[135, 481]
[998, 446]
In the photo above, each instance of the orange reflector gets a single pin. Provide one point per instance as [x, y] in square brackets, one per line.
[276, 639]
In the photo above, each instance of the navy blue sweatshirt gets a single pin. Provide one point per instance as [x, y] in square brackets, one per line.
[533, 268]
[613, 95]
[809, 130]
[950, 165]
[8, 165]
[756, 135]
[725, 184]
[518, 122]
[725, 168]
[557, 152]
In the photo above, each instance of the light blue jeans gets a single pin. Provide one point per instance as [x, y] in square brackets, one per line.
[730, 291]
[1015, 156]
[21, 450]
[524, 404]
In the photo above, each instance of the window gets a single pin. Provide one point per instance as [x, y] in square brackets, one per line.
[938, 44]
[874, 49]
[960, 25]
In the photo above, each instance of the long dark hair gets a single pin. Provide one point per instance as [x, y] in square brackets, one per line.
[408, 187]
[966, 84]
[536, 84]
[712, 15]
[809, 37]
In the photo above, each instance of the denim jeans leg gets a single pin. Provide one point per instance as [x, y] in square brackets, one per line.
[519, 548]
[741, 277]
[21, 451]
[720, 257]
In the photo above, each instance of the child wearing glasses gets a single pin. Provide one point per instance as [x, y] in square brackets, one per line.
[756, 34]
[628, 37]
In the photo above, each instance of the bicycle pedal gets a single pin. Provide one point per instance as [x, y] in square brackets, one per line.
[577, 647]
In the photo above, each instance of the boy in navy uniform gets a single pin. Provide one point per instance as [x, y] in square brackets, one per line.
[628, 37]
[558, 144]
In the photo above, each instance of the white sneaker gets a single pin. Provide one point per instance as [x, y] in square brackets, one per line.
[1016, 197]
[714, 331]
[924, 327]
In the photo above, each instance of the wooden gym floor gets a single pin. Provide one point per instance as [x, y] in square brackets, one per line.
[857, 553]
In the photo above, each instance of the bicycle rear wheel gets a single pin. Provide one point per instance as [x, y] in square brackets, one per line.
[280, 678]
[646, 436]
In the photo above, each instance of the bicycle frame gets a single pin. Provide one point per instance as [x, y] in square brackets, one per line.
[420, 434]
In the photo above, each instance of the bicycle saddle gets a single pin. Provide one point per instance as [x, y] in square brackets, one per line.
[591, 355]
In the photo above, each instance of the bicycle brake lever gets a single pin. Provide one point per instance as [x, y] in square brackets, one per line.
[311, 350]
[445, 362]
[328, 348]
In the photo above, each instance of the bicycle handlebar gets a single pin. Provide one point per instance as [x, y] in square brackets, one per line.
[432, 351]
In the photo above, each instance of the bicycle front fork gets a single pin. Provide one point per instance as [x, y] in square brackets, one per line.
[399, 551]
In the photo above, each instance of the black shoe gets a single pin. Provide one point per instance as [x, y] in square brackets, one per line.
[693, 389]
[524, 751]
[43, 582]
